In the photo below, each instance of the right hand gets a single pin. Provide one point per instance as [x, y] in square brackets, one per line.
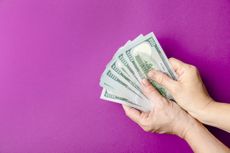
[188, 91]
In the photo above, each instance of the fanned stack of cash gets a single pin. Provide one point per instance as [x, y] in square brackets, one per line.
[121, 80]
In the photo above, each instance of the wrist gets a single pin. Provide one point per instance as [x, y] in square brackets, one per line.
[184, 124]
[202, 113]
[190, 128]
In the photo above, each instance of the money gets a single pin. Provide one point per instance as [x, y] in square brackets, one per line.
[121, 79]
[106, 95]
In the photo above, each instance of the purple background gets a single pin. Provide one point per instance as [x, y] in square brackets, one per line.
[52, 53]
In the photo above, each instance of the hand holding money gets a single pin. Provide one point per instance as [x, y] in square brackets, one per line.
[140, 76]
[121, 80]
[165, 117]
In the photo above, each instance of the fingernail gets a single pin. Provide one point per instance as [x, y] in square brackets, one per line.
[145, 82]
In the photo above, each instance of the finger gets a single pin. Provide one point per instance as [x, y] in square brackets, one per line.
[177, 65]
[163, 80]
[150, 92]
[132, 113]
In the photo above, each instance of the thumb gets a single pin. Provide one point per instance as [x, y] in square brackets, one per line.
[150, 92]
[132, 113]
[162, 78]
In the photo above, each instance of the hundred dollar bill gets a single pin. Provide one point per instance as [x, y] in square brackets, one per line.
[113, 58]
[119, 64]
[146, 54]
[126, 65]
[110, 78]
[124, 76]
[122, 47]
[126, 45]
[114, 84]
[121, 80]
[106, 95]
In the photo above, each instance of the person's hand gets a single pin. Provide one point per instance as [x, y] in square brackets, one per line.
[188, 91]
[165, 116]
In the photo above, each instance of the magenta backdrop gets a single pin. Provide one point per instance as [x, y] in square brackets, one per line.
[52, 53]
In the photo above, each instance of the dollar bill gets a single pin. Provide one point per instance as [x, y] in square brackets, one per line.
[116, 82]
[121, 80]
[146, 54]
[109, 96]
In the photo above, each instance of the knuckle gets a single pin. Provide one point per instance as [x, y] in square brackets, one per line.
[160, 79]
[172, 59]
[146, 128]
[141, 123]
[164, 79]
[193, 68]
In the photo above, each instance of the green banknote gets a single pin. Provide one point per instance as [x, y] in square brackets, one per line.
[121, 80]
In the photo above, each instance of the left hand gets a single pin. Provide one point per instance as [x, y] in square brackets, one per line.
[165, 116]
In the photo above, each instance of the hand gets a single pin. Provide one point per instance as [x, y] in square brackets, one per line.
[189, 90]
[165, 116]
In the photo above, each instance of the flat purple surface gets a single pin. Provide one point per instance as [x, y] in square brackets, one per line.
[52, 53]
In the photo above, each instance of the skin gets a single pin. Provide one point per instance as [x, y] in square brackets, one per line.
[169, 117]
[190, 93]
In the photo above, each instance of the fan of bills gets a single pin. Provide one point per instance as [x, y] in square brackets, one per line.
[121, 79]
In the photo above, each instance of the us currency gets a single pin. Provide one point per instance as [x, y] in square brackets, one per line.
[125, 89]
[121, 80]
[146, 54]
[118, 68]
[109, 96]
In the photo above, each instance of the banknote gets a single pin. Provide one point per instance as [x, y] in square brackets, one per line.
[146, 54]
[121, 79]
[109, 96]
